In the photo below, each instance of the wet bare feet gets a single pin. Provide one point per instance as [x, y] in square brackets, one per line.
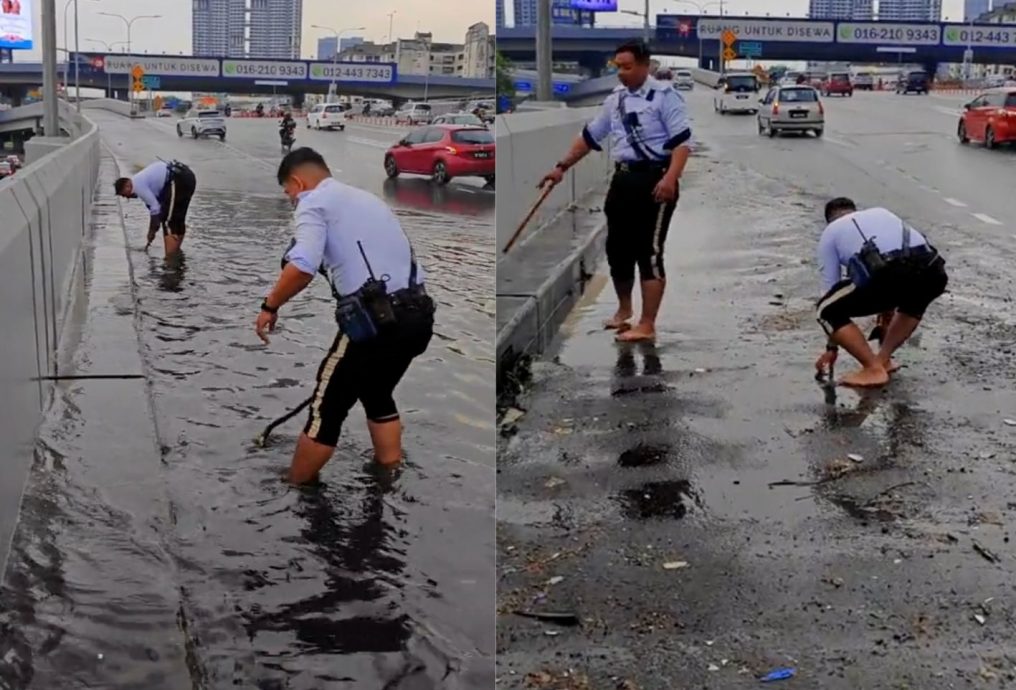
[866, 378]
[637, 334]
[618, 322]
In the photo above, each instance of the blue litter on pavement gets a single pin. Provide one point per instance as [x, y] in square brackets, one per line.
[778, 674]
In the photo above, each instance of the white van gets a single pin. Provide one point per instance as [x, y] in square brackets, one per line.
[736, 92]
[327, 116]
[414, 113]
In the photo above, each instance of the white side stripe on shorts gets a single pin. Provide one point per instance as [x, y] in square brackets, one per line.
[319, 393]
[832, 299]
[656, 239]
[172, 200]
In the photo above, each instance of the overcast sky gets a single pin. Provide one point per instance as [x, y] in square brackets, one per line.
[447, 19]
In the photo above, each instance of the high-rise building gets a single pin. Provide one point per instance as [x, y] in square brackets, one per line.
[910, 10]
[349, 42]
[499, 14]
[561, 13]
[478, 52]
[972, 9]
[247, 28]
[327, 48]
[858, 10]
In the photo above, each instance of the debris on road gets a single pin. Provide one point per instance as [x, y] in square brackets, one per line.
[553, 482]
[985, 553]
[1009, 422]
[675, 565]
[511, 415]
[855, 457]
[565, 680]
[554, 580]
[557, 617]
[778, 674]
[836, 582]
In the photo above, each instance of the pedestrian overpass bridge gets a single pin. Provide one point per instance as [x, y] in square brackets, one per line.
[769, 38]
[113, 73]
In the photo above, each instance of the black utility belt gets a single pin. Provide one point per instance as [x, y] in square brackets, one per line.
[371, 311]
[640, 166]
[921, 252]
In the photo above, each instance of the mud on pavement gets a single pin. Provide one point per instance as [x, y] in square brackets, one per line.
[708, 516]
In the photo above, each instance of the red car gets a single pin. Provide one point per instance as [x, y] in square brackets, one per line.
[444, 152]
[838, 83]
[991, 118]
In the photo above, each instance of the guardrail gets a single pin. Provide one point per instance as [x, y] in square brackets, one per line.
[44, 213]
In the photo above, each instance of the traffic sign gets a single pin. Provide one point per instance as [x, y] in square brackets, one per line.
[151, 82]
[728, 37]
[138, 71]
[752, 49]
[729, 54]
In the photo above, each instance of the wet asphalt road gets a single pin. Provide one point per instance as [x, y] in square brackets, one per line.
[693, 502]
[362, 582]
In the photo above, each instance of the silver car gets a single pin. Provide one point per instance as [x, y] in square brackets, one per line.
[202, 123]
[683, 79]
[791, 109]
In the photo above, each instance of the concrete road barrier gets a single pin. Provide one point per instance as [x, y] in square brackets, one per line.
[110, 104]
[44, 214]
[543, 275]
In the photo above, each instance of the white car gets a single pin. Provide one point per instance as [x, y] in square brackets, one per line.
[202, 123]
[736, 92]
[164, 112]
[683, 79]
[414, 113]
[327, 116]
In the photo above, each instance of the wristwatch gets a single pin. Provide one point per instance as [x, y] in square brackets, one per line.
[832, 347]
[270, 310]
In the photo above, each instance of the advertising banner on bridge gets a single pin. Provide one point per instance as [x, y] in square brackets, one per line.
[375, 72]
[980, 36]
[881, 33]
[16, 24]
[789, 30]
[162, 66]
[263, 69]
[594, 5]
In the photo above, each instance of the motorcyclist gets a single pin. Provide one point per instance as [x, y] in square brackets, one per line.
[287, 126]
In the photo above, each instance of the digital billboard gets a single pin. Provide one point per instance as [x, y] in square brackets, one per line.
[16, 24]
[595, 5]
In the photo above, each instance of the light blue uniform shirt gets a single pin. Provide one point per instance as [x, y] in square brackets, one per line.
[662, 126]
[841, 240]
[330, 219]
[149, 183]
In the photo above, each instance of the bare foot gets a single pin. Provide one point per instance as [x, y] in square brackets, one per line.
[618, 322]
[893, 367]
[637, 334]
[866, 378]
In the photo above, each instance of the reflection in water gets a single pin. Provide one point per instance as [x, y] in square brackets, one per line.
[645, 454]
[626, 378]
[663, 499]
[171, 272]
[422, 194]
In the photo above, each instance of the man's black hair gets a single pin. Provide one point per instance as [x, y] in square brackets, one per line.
[121, 184]
[840, 203]
[300, 157]
[638, 49]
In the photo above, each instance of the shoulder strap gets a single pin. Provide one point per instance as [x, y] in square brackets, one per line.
[854, 221]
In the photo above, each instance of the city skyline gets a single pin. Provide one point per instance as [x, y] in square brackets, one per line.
[447, 20]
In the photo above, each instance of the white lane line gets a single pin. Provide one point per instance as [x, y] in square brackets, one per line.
[368, 142]
[955, 202]
[985, 218]
[838, 142]
[952, 112]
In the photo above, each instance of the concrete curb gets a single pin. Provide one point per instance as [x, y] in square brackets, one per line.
[533, 327]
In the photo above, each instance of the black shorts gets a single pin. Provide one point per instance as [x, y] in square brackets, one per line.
[175, 200]
[368, 372]
[904, 286]
[636, 224]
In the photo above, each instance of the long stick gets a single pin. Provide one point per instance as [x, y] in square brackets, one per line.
[529, 216]
[262, 438]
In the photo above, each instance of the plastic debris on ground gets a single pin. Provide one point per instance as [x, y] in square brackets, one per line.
[675, 565]
[778, 674]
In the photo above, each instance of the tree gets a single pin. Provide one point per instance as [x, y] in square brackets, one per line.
[504, 84]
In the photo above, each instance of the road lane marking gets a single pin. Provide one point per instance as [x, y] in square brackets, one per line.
[985, 218]
[955, 202]
[952, 112]
[369, 142]
[838, 142]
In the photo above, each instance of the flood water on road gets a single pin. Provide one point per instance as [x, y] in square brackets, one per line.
[363, 581]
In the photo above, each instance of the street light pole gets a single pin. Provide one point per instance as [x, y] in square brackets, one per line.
[332, 89]
[109, 76]
[544, 63]
[130, 23]
[50, 111]
[646, 31]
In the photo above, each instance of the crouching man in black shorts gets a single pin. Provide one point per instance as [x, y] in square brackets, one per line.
[384, 315]
[166, 189]
[892, 269]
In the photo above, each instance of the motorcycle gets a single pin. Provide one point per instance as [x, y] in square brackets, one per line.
[287, 140]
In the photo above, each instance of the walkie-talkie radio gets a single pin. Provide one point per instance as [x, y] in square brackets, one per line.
[363, 314]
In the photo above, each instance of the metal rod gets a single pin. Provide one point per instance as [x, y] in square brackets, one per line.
[77, 67]
[544, 61]
[51, 112]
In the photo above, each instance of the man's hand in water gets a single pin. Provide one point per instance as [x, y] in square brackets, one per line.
[264, 325]
[825, 360]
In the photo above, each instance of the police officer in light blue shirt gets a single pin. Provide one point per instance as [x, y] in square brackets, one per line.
[646, 124]
[385, 317]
